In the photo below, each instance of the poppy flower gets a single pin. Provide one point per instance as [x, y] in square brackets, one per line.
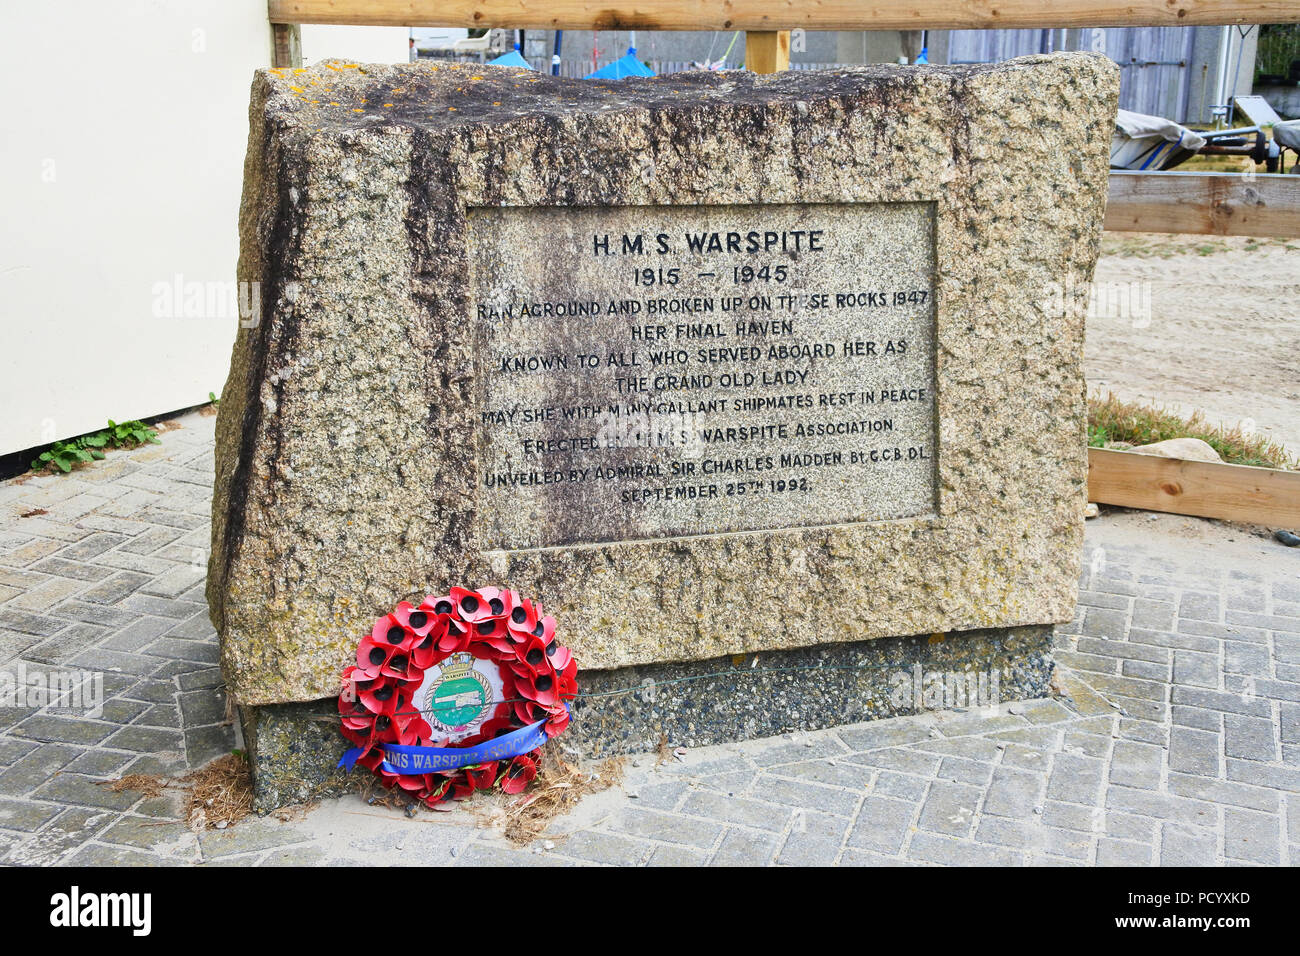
[518, 774]
[425, 651]
[418, 620]
[543, 688]
[483, 776]
[470, 605]
[531, 653]
[489, 629]
[557, 724]
[456, 639]
[523, 617]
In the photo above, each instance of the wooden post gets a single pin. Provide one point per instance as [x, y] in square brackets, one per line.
[767, 51]
[286, 45]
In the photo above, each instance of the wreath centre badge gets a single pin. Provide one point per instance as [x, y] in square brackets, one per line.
[457, 695]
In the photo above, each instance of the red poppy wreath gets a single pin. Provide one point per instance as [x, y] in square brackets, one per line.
[457, 695]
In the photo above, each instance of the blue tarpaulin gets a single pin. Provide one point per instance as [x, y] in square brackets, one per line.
[512, 58]
[628, 65]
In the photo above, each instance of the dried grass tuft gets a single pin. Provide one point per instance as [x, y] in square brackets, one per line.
[147, 784]
[557, 789]
[220, 793]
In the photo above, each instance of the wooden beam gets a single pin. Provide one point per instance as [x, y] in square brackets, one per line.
[286, 45]
[1219, 204]
[767, 51]
[783, 14]
[1206, 489]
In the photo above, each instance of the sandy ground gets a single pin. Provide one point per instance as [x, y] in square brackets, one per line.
[1222, 336]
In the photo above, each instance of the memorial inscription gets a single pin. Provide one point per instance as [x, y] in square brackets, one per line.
[649, 372]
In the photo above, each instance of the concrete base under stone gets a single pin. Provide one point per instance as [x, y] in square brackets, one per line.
[294, 747]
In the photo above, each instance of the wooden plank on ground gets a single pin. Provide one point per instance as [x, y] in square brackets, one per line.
[1206, 489]
[1220, 204]
[767, 51]
[783, 14]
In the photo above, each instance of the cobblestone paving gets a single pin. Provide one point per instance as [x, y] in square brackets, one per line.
[1178, 741]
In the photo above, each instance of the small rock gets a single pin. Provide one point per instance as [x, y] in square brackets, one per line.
[1188, 449]
[1091, 510]
[934, 732]
[453, 851]
[1038, 811]
[222, 824]
[1002, 745]
[1016, 709]
[1288, 538]
[633, 795]
[549, 845]
[832, 762]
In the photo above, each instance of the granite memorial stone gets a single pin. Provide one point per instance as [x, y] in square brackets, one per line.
[713, 364]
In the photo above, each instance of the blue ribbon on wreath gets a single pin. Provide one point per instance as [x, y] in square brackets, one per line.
[402, 759]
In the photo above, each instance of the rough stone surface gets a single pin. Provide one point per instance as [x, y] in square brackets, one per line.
[347, 473]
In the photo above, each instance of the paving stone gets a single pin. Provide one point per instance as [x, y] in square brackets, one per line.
[1075, 779]
[1251, 836]
[814, 840]
[668, 828]
[676, 856]
[938, 849]
[902, 760]
[1155, 615]
[949, 808]
[146, 739]
[838, 774]
[73, 788]
[1226, 793]
[1183, 847]
[66, 644]
[881, 825]
[1122, 853]
[1194, 751]
[745, 848]
[27, 623]
[1199, 606]
[1013, 793]
[59, 839]
[94, 854]
[806, 796]
[1028, 758]
[750, 813]
[1249, 738]
[901, 785]
[26, 815]
[62, 730]
[207, 743]
[607, 848]
[139, 633]
[960, 770]
[1105, 622]
[113, 590]
[1135, 764]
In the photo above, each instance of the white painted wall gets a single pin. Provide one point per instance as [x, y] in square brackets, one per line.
[121, 164]
[358, 44]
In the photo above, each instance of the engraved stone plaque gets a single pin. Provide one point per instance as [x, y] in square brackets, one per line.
[649, 372]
